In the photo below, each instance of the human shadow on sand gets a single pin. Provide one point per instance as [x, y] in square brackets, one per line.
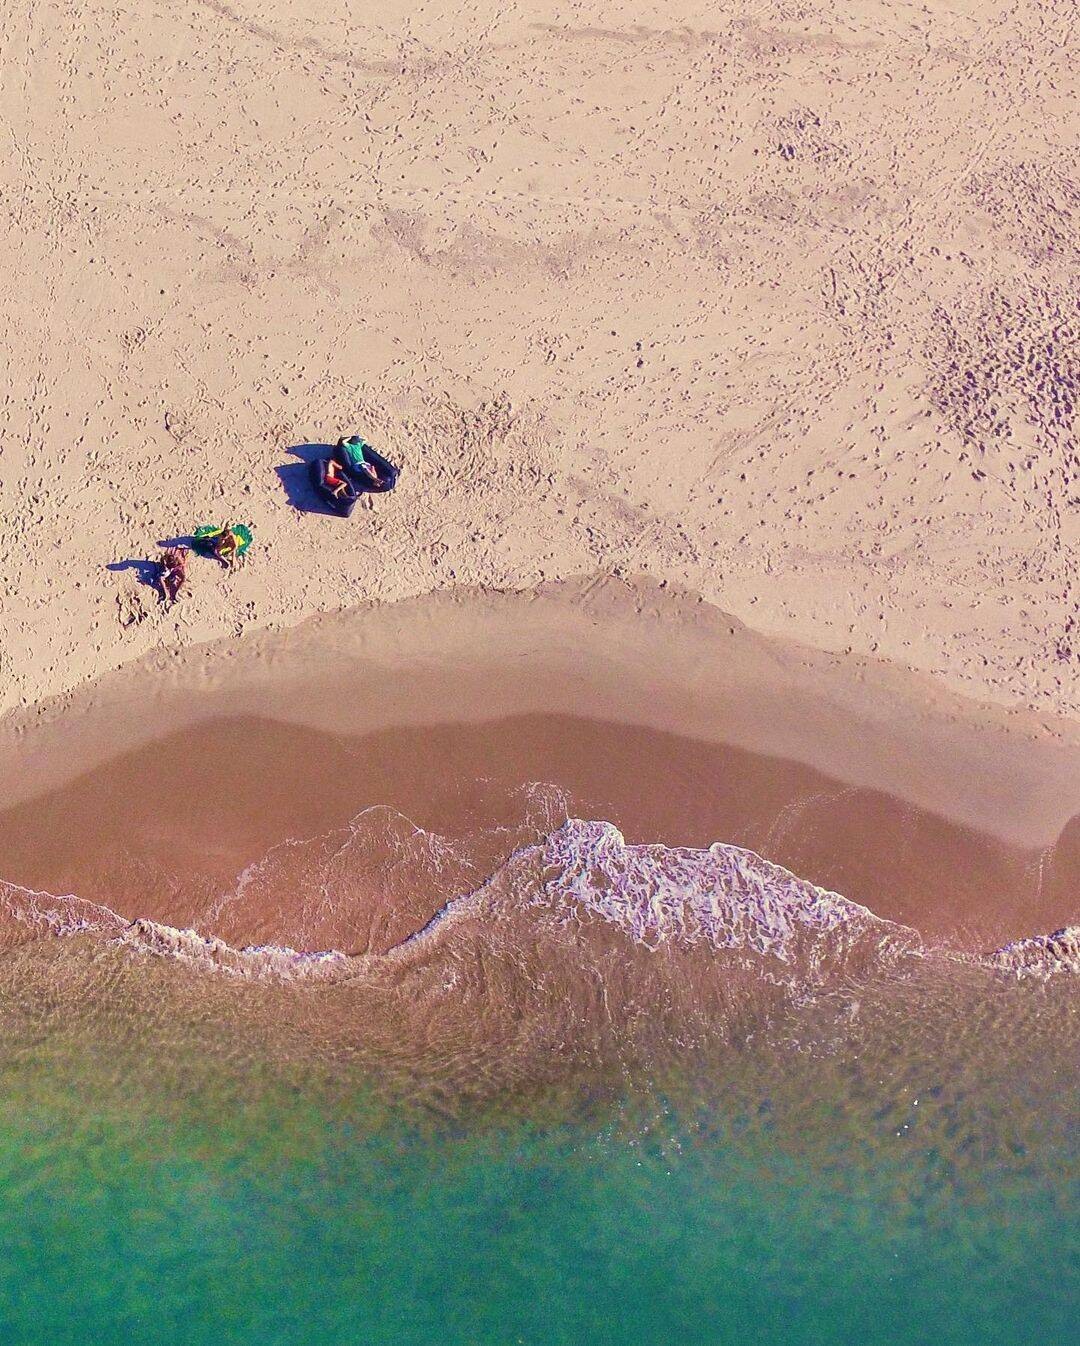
[146, 572]
[296, 479]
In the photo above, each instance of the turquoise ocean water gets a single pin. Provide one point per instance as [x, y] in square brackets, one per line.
[226, 1209]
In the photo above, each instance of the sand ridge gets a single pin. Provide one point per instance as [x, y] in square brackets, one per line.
[776, 304]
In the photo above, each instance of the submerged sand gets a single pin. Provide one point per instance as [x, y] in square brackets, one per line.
[163, 831]
[483, 846]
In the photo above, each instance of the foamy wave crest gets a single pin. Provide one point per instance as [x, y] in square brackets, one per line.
[262, 962]
[1041, 956]
[27, 914]
[382, 889]
[725, 897]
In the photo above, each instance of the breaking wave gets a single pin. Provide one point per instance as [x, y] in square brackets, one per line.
[344, 905]
[725, 897]
[1040, 956]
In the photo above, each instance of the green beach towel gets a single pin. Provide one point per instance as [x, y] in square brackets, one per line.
[205, 534]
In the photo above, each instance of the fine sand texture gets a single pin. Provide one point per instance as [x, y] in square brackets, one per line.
[773, 304]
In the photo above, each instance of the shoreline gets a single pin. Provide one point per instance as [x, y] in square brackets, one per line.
[650, 709]
[665, 660]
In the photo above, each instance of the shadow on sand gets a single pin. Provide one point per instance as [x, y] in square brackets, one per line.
[146, 572]
[296, 479]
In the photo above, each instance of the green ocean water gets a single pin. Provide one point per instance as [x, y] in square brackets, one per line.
[234, 1207]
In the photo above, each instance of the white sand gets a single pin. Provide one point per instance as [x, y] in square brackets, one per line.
[776, 303]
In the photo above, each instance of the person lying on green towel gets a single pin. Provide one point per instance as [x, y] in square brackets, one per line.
[225, 544]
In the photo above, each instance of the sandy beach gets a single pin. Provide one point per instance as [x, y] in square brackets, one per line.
[776, 307]
[730, 364]
[621, 883]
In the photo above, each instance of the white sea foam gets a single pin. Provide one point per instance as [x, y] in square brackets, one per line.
[262, 961]
[1040, 956]
[726, 897]
[30, 913]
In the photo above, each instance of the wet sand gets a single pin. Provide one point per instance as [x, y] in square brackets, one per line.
[498, 951]
[159, 831]
[956, 820]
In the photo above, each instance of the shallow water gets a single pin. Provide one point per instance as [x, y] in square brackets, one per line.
[250, 1206]
[556, 1088]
